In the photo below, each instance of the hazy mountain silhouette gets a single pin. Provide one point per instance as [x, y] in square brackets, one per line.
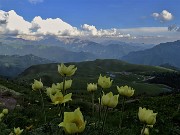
[161, 54]
[13, 65]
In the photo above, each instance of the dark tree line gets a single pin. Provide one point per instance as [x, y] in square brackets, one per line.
[171, 79]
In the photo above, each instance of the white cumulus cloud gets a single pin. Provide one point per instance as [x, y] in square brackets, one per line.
[93, 31]
[163, 16]
[17, 23]
[38, 27]
[90, 28]
[51, 26]
[3, 17]
[12, 23]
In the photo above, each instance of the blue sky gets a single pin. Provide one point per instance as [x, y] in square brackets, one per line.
[101, 13]
[126, 15]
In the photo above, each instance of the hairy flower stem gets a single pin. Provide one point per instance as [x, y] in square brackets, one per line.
[92, 103]
[104, 120]
[64, 91]
[43, 109]
[60, 112]
[100, 107]
[142, 133]
[64, 81]
[122, 114]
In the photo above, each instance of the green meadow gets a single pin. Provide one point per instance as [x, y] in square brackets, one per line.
[25, 109]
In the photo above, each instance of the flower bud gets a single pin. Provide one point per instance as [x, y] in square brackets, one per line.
[67, 85]
[146, 131]
[147, 116]
[125, 91]
[91, 87]
[18, 131]
[1, 115]
[104, 82]
[37, 85]
[109, 100]
[5, 111]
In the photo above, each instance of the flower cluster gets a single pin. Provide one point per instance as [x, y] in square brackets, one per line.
[147, 117]
[56, 95]
[73, 122]
[3, 113]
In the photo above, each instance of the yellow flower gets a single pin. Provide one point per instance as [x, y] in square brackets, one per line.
[37, 85]
[11, 133]
[109, 100]
[29, 127]
[66, 71]
[147, 116]
[68, 84]
[5, 111]
[58, 98]
[1, 115]
[91, 87]
[104, 82]
[73, 122]
[18, 131]
[51, 90]
[146, 131]
[126, 91]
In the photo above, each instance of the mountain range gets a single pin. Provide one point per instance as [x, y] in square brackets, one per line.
[17, 54]
[67, 49]
[11, 66]
[164, 53]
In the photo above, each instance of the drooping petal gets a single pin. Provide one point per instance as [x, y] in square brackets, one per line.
[67, 97]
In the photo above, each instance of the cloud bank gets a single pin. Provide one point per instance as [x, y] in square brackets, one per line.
[93, 31]
[163, 16]
[12, 23]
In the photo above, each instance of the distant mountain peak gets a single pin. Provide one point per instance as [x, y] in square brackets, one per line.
[158, 55]
[13, 65]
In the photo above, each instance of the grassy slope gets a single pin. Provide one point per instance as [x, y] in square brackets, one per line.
[27, 114]
[125, 74]
[30, 112]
